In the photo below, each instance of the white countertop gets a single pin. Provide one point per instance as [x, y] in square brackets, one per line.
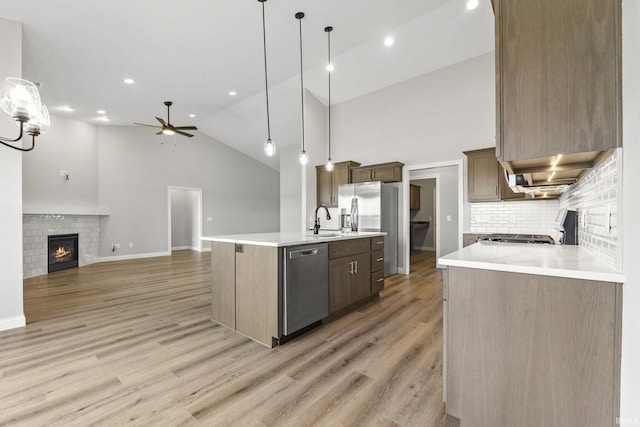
[546, 260]
[290, 238]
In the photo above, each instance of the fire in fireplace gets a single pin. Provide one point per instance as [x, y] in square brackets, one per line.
[63, 252]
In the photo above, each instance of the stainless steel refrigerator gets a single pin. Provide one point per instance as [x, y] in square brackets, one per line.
[376, 205]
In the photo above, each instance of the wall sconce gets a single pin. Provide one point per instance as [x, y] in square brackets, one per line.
[21, 100]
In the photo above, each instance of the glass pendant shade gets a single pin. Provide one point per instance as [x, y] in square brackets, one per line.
[329, 165]
[303, 158]
[269, 148]
[40, 123]
[20, 98]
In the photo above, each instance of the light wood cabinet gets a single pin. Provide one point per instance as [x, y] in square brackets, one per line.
[245, 283]
[385, 172]
[328, 182]
[558, 77]
[486, 179]
[414, 197]
[531, 350]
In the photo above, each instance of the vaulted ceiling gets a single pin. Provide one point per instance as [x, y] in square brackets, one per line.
[195, 53]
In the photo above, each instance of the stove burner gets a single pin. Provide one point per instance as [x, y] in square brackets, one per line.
[519, 238]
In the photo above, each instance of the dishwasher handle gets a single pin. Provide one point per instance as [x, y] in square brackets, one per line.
[302, 253]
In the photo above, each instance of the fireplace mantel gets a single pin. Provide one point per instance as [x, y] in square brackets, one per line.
[65, 210]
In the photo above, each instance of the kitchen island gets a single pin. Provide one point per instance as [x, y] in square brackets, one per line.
[531, 336]
[249, 279]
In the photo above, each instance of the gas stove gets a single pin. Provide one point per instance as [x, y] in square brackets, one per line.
[519, 238]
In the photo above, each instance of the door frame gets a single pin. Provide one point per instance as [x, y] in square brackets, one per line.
[198, 226]
[406, 177]
[436, 214]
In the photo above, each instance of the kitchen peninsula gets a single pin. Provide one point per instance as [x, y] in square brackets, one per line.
[270, 286]
[531, 335]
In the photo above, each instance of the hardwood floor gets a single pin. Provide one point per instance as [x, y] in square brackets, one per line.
[131, 343]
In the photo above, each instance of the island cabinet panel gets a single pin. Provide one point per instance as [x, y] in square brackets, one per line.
[223, 283]
[339, 283]
[558, 77]
[257, 292]
[361, 277]
[529, 350]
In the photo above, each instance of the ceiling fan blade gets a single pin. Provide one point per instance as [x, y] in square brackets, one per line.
[151, 126]
[184, 133]
[159, 133]
[186, 127]
[161, 121]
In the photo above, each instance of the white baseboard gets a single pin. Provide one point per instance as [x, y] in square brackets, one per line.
[182, 248]
[133, 256]
[205, 249]
[401, 270]
[12, 322]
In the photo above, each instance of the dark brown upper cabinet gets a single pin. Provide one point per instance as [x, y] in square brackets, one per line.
[558, 77]
[327, 183]
[486, 180]
[385, 172]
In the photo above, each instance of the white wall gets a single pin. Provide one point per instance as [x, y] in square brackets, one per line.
[424, 120]
[291, 214]
[136, 168]
[11, 311]
[69, 145]
[630, 388]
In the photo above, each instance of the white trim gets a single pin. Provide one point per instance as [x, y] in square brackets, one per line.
[406, 177]
[12, 322]
[198, 192]
[186, 248]
[65, 210]
[401, 270]
[134, 256]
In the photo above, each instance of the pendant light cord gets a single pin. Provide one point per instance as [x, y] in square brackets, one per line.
[301, 78]
[329, 65]
[266, 84]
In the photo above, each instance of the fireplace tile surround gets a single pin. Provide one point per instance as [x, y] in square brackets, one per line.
[37, 227]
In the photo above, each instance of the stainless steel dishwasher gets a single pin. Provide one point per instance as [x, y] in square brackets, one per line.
[306, 286]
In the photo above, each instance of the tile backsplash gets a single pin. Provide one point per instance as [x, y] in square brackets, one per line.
[595, 197]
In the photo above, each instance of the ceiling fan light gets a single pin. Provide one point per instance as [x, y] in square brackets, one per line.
[168, 132]
[19, 98]
[269, 148]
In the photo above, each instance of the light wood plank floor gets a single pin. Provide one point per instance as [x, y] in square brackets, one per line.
[131, 342]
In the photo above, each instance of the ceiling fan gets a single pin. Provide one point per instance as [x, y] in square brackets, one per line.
[167, 128]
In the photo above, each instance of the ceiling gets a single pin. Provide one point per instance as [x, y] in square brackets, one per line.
[194, 53]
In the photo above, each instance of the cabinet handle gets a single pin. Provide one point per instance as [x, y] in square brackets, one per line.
[356, 263]
[496, 190]
[380, 259]
[380, 242]
[373, 174]
[351, 268]
[380, 280]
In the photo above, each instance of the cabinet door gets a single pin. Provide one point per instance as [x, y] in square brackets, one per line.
[482, 177]
[340, 272]
[360, 175]
[414, 197]
[386, 174]
[377, 281]
[558, 73]
[324, 187]
[223, 283]
[341, 176]
[361, 277]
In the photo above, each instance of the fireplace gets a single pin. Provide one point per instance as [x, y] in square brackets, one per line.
[63, 252]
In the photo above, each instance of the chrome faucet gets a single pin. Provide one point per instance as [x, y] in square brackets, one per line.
[316, 226]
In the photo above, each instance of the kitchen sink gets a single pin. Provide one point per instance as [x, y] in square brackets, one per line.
[322, 236]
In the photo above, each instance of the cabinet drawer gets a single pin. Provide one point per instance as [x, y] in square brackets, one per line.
[377, 281]
[348, 248]
[377, 260]
[377, 243]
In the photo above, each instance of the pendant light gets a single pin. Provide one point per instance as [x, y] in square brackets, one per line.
[302, 157]
[269, 145]
[328, 30]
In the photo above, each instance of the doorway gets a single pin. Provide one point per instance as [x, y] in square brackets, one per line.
[446, 178]
[422, 214]
[185, 219]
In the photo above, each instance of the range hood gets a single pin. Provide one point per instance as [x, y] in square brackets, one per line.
[549, 177]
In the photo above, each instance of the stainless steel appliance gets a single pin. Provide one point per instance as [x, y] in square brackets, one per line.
[373, 206]
[567, 222]
[518, 238]
[305, 286]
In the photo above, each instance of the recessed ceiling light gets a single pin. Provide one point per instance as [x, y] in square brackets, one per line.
[65, 108]
[472, 4]
[192, 115]
[103, 119]
[129, 81]
[232, 93]
[330, 68]
[388, 41]
[101, 112]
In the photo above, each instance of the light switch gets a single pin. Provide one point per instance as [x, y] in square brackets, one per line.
[209, 219]
[449, 218]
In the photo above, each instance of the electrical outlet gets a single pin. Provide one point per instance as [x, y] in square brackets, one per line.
[209, 219]
[130, 244]
[63, 173]
[117, 245]
[448, 218]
